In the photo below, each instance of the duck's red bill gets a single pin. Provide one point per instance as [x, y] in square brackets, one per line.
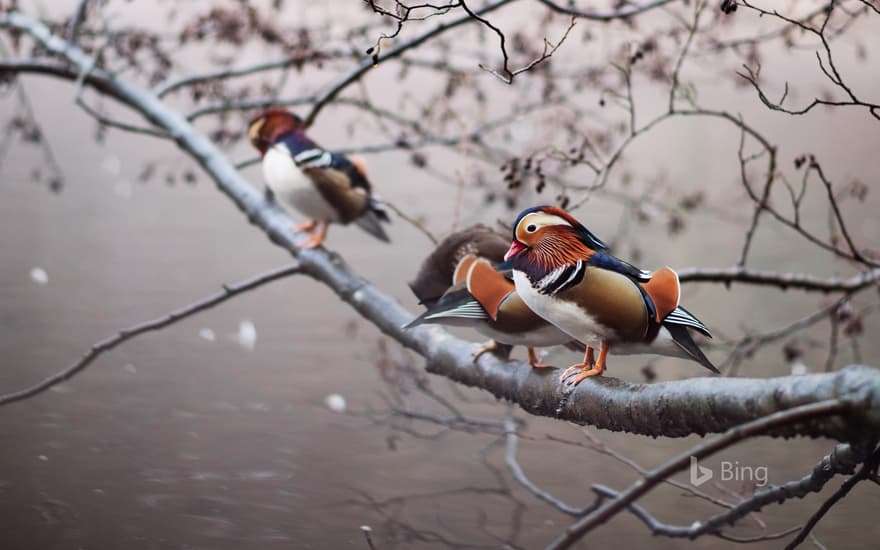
[515, 248]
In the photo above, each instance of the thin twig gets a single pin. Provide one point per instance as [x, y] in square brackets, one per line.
[234, 72]
[76, 20]
[366, 65]
[624, 12]
[412, 221]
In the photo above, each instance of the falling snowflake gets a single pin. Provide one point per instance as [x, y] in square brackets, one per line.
[39, 276]
[112, 165]
[247, 334]
[208, 334]
[335, 403]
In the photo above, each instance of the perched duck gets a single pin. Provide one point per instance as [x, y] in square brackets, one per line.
[436, 273]
[567, 275]
[476, 295]
[325, 186]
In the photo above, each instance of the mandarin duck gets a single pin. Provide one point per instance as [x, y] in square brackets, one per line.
[325, 186]
[567, 275]
[460, 286]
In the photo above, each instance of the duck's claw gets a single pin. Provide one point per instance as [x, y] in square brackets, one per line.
[492, 346]
[535, 361]
[315, 240]
[588, 368]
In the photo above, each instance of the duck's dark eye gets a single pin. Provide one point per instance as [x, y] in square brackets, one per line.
[531, 228]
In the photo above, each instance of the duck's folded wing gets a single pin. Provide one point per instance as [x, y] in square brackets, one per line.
[336, 188]
[685, 341]
[456, 307]
[605, 260]
[489, 287]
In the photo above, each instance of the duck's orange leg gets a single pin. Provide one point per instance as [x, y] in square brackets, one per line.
[535, 361]
[491, 345]
[305, 226]
[495, 347]
[588, 363]
[588, 368]
[315, 240]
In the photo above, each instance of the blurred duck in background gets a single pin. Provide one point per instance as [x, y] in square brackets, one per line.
[325, 186]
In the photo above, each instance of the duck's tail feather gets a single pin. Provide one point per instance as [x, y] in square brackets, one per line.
[685, 341]
[371, 221]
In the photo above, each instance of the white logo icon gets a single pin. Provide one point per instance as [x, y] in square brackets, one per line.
[699, 474]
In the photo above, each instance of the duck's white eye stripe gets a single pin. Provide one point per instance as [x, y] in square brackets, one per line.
[256, 127]
[541, 219]
[556, 220]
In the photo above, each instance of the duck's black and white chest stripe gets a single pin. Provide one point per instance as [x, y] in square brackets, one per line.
[313, 158]
[561, 279]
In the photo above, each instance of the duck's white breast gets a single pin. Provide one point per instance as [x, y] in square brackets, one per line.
[293, 187]
[568, 316]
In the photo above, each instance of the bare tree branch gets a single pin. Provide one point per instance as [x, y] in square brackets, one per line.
[842, 459]
[511, 440]
[334, 90]
[784, 281]
[749, 344]
[578, 529]
[507, 75]
[77, 19]
[105, 345]
[676, 531]
[867, 469]
[751, 77]
[625, 12]
[169, 86]
[831, 72]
